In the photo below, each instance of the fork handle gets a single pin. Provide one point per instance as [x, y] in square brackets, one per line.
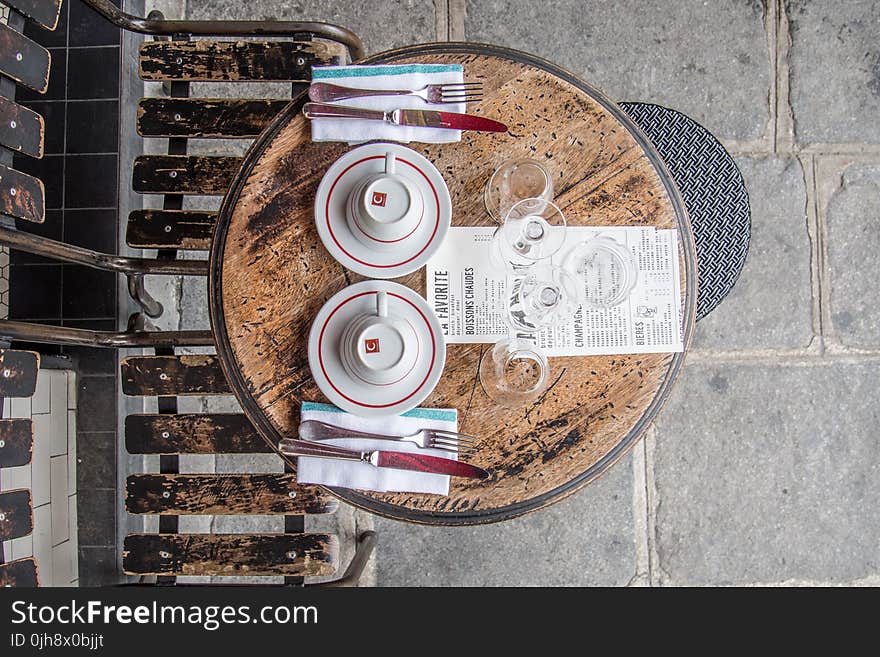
[316, 430]
[322, 92]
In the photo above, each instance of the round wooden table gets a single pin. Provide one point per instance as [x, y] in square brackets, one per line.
[270, 275]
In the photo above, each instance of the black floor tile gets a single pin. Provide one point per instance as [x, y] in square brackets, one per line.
[35, 292]
[50, 38]
[57, 79]
[96, 512]
[93, 126]
[91, 360]
[90, 181]
[93, 73]
[95, 461]
[50, 170]
[96, 403]
[98, 567]
[88, 293]
[92, 229]
[53, 118]
[89, 28]
[51, 229]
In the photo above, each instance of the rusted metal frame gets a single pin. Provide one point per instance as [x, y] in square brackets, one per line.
[64, 335]
[157, 26]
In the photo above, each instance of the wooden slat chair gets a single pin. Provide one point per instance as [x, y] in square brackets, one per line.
[178, 118]
[22, 130]
[18, 378]
[168, 494]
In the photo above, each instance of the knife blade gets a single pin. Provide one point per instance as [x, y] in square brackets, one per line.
[409, 117]
[384, 459]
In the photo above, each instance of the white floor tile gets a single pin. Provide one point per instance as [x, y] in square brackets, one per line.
[40, 400]
[40, 460]
[57, 390]
[71, 452]
[72, 519]
[58, 431]
[62, 564]
[20, 407]
[60, 525]
[43, 543]
[22, 547]
[71, 391]
[17, 477]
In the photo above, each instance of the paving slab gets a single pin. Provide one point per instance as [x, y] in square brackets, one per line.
[587, 539]
[835, 70]
[709, 60]
[853, 244]
[770, 306]
[767, 473]
[380, 25]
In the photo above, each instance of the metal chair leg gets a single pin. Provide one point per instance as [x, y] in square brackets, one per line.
[138, 292]
[130, 338]
[363, 552]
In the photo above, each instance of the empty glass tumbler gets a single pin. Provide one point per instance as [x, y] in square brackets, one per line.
[606, 269]
[533, 230]
[516, 180]
[541, 297]
[514, 372]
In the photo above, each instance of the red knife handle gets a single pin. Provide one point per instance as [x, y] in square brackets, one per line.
[470, 122]
[432, 464]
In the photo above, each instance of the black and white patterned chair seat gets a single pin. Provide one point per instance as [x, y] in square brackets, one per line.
[714, 194]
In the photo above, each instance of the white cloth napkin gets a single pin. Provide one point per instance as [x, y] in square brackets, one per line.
[388, 76]
[363, 476]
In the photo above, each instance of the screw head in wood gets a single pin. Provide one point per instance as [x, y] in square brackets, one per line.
[291, 495]
[168, 228]
[12, 191]
[2, 444]
[166, 494]
[177, 117]
[291, 555]
[163, 376]
[7, 373]
[18, 57]
[173, 174]
[12, 124]
[300, 61]
[164, 554]
[165, 434]
[2, 516]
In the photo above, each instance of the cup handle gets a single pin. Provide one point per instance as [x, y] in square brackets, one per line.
[382, 303]
[390, 162]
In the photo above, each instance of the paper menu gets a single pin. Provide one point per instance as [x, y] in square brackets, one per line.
[466, 293]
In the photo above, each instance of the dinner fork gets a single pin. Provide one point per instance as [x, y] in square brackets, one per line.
[322, 92]
[447, 441]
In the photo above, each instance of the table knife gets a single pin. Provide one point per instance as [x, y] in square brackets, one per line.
[384, 459]
[410, 117]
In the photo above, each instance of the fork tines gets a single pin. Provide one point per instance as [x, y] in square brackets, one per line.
[452, 441]
[461, 92]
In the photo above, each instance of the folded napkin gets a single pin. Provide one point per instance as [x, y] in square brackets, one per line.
[390, 76]
[363, 476]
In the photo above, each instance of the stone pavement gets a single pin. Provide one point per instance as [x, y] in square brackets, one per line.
[763, 467]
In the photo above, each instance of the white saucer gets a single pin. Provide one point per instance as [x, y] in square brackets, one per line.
[355, 395]
[332, 198]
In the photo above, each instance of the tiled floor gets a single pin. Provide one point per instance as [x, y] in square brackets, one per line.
[80, 174]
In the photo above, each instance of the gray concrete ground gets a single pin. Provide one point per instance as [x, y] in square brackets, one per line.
[763, 467]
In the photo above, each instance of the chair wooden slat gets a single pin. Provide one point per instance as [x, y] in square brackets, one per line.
[16, 442]
[206, 117]
[21, 129]
[170, 229]
[227, 494]
[23, 60]
[22, 196]
[233, 61]
[230, 554]
[43, 12]
[16, 514]
[207, 175]
[193, 433]
[18, 372]
[20, 573]
[197, 374]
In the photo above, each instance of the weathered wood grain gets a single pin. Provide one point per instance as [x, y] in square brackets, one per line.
[43, 12]
[193, 433]
[173, 375]
[206, 175]
[230, 554]
[23, 60]
[206, 117]
[18, 372]
[205, 60]
[16, 442]
[170, 229]
[16, 514]
[271, 274]
[22, 196]
[227, 494]
[21, 129]
[19, 574]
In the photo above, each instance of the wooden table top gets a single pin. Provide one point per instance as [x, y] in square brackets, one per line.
[270, 275]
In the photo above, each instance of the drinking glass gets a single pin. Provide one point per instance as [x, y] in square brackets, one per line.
[516, 180]
[606, 269]
[533, 230]
[541, 297]
[514, 372]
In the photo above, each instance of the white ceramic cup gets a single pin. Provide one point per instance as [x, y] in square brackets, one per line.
[384, 208]
[379, 348]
